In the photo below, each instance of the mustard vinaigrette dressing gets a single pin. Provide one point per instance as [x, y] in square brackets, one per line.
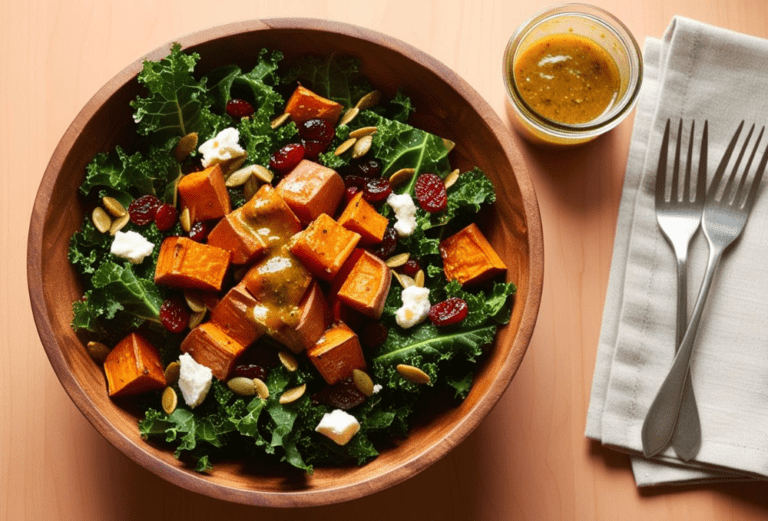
[567, 78]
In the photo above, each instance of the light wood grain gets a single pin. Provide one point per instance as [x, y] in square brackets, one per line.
[528, 460]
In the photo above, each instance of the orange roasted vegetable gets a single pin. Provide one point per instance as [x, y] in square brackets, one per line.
[311, 189]
[362, 218]
[184, 263]
[236, 235]
[469, 258]
[314, 319]
[365, 288]
[204, 194]
[324, 246]
[209, 345]
[273, 219]
[337, 354]
[305, 104]
[233, 315]
[133, 367]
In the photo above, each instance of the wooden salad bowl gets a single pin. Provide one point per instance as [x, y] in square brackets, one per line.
[446, 106]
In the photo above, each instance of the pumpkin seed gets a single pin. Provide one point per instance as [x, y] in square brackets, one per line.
[196, 318]
[194, 302]
[185, 146]
[451, 178]
[349, 115]
[288, 360]
[169, 400]
[279, 120]
[369, 100]
[98, 351]
[448, 144]
[291, 395]
[262, 391]
[404, 280]
[113, 206]
[362, 132]
[231, 166]
[172, 373]
[363, 382]
[119, 223]
[401, 176]
[242, 386]
[397, 260]
[101, 220]
[362, 146]
[239, 177]
[345, 146]
[263, 174]
[418, 279]
[186, 220]
[250, 188]
[413, 374]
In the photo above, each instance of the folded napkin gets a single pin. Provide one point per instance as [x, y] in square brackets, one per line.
[707, 73]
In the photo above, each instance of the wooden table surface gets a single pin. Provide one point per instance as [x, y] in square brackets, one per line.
[528, 460]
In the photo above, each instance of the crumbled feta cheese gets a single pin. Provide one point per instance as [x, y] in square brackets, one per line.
[405, 211]
[339, 426]
[221, 148]
[415, 307]
[377, 388]
[194, 380]
[132, 246]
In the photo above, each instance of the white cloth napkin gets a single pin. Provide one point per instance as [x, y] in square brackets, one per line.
[707, 73]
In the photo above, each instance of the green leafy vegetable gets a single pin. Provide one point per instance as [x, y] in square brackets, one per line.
[335, 77]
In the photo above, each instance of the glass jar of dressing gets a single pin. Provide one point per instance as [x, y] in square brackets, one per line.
[572, 73]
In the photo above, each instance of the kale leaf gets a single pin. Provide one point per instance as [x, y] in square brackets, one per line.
[335, 77]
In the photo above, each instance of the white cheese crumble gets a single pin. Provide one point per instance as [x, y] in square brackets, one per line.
[377, 388]
[221, 148]
[194, 380]
[405, 211]
[132, 246]
[415, 307]
[339, 426]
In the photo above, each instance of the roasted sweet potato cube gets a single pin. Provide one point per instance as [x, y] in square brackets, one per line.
[365, 288]
[340, 312]
[133, 367]
[305, 104]
[311, 189]
[280, 280]
[270, 216]
[184, 263]
[362, 218]
[314, 318]
[324, 246]
[337, 354]
[204, 194]
[469, 258]
[233, 314]
[211, 346]
[235, 235]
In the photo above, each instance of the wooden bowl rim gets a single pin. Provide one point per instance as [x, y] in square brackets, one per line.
[347, 491]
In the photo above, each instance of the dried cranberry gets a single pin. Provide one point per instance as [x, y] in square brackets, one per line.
[250, 371]
[377, 190]
[312, 149]
[374, 335]
[239, 108]
[142, 210]
[349, 193]
[317, 130]
[411, 267]
[165, 217]
[286, 159]
[369, 169]
[356, 181]
[199, 231]
[342, 395]
[430, 192]
[386, 247]
[448, 312]
[174, 315]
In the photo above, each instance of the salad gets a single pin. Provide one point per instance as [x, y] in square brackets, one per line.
[282, 268]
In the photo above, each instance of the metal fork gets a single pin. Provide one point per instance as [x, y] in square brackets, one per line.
[679, 217]
[726, 209]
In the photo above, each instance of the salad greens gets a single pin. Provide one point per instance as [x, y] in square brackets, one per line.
[120, 297]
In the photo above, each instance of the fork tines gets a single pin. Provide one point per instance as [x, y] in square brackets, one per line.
[726, 191]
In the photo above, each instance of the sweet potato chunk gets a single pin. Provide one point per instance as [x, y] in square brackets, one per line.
[366, 286]
[236, 235]
[324, 246]
[314, 319]
[271, 217]
[184, 263]
[469, 258]
[362, 218]
[305, 104]
[209, 345]
[278, 280]
[337, 354]
[233, 315]
[204, 194]
[133, 367]
[311, 189]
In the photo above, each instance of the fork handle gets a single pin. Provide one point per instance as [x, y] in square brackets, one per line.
[660, 422]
